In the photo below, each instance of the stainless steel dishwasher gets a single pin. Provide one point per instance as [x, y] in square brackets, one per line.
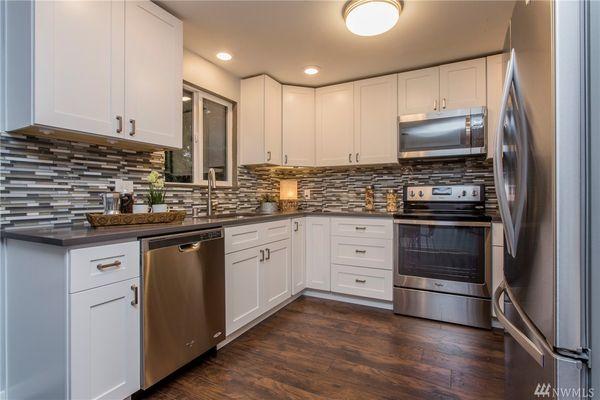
[183, 300]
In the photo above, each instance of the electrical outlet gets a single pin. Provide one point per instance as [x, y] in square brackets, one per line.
[119, 185]
[122, 186]
[307, 194]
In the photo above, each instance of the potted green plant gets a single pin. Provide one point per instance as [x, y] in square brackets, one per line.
[156, 192]
[268, 203]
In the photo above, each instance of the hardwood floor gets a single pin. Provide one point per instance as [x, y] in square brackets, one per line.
[321, 349]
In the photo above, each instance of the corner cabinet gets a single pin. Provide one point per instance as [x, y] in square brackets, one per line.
[126, 61]
[298, 126]
[260, 121]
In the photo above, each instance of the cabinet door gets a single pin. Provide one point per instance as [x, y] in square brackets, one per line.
[276, 273]
[496, 66]
[335, 125]
[79, 70]
[243, 299]
[153, 75]
[419, 91]
[252, 121]
[375, 120]
[298, 255]
[462, 84]
[298, 126]
[318, 270]
[272, 121]
[105, 342]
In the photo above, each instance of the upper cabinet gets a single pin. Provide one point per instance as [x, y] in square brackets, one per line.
[450, 86]
[419, 91]
[260, 131]
[375, 120]
[298, 126]
[109, 69]
[462, 84]
[335, 125]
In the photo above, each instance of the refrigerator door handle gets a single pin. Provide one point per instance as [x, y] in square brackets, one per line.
[527, 344]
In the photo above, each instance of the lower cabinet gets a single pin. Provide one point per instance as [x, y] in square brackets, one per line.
[358, 281]
[318, 262]
[298, 255]
[256, 280]
[105, 341]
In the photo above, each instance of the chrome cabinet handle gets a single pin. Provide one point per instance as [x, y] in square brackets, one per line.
[135, 295]
[349, 157]
[296, 226]
[356, 157]
[115, 264]
[269, 155]
[285, 159]
[262, 255]
[357, 251]
[132, 122]
[435, 104]
[360, 228]
[444, 103]
[119, 124]
[360, 280]
[268, 254]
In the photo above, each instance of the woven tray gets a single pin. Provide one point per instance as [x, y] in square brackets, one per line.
[99, 219]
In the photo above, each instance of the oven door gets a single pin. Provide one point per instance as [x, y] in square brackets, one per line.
[443, 256]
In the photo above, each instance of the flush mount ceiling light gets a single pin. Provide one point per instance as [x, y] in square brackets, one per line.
[311, 70]
[224, 56]
[371, 17]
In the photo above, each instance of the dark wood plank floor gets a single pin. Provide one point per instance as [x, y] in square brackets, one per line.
[321, 349]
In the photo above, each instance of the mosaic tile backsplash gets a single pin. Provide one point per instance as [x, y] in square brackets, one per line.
[56, 182]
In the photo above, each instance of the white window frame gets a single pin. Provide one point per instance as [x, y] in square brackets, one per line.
[197, 117]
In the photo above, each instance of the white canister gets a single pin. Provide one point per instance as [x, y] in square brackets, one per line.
[158, 208]
[140, 208]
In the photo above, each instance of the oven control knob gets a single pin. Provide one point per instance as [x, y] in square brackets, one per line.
[411, 193]
[475, 193]
[421, 194]
[464, 193]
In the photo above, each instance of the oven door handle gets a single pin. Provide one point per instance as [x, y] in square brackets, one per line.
[474, 224]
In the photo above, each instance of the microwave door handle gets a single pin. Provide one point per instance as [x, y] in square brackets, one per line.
[468, 131]
[499, 164]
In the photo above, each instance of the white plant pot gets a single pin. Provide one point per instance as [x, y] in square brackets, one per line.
[140, 208]
[158, 208]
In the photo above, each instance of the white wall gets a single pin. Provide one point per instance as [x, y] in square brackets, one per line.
[209, 76]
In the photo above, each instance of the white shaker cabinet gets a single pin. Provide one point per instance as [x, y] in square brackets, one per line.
[277, 272]
[298, 255]
[153, 74]
[496, 67]
[105, 341]
[318, 259]
[260, 126]
[94, 71]
[335, 125]
[375, 120]
[298, 126]
[419, 91]
[462, 84]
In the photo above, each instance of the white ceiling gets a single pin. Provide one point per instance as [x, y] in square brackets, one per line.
[281, 37]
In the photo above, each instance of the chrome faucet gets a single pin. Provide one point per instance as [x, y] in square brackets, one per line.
[212, 184]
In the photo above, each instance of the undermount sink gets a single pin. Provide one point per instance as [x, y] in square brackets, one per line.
[233, 215]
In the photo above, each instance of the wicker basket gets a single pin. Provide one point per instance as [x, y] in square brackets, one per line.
[99, 219]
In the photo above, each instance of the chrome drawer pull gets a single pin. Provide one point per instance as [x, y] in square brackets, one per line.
[262, 255]
[114, 264]
[357, 251]
[360, 228]
[120, 124]
[135, 295]
[268, 254]
[360, 280]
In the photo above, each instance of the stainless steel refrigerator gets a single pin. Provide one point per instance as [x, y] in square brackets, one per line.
[540, 169]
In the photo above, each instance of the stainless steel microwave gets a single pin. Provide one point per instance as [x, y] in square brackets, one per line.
[443, 134]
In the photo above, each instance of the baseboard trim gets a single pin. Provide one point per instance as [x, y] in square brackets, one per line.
[387, 305]
[257, 321]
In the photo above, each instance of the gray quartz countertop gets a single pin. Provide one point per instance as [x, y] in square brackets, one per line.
[81, 235]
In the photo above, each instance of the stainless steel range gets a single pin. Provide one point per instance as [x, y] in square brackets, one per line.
[442, 255]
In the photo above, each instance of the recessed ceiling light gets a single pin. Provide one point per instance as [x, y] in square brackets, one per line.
[186, 98]
[224, 56]
[371, 17]
[312, 70]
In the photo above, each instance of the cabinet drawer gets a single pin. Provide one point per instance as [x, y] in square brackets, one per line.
[246, 236]
[361, 252]
[91, 267]
[362, 227]
[358, 281]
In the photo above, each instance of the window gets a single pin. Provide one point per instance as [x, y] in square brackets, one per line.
[207, 141]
